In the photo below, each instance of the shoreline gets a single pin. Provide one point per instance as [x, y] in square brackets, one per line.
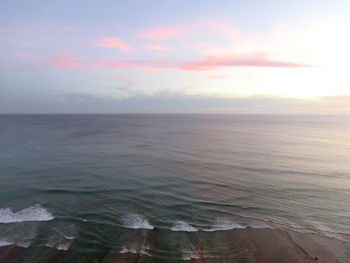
[246, 245]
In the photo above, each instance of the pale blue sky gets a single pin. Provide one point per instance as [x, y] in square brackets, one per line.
[174, 56]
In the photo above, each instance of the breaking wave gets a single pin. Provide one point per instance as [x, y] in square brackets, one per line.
[189, 255]
[4, 243]
[136, 249]
[33, 213]
[59, 246]
[223, 224]
[183, 226]
[192, 253]
[136, 221]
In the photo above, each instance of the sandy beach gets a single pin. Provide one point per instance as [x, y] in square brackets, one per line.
[239, 246]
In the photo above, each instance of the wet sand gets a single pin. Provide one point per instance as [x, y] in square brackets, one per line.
[238, 246]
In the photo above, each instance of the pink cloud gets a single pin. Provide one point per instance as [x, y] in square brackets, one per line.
[240, 60]
[68, 62]
[35, 62]
[163, 33]
[209, 63]
[62, 61]
[156, 47]
[221, 28]
[206, 64]
[148, 65]
[114, 43]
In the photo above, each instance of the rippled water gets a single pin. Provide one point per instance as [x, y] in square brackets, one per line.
[90, 181]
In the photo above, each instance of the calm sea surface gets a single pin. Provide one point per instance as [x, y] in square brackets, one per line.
[89, 181]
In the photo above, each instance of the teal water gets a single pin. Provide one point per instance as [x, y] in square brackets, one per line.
[90, 182]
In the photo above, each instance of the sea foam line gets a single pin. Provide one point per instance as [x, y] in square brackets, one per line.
[33, 213]
[59, 246]
[189, 255]
[223, 224]
[4, 243]
[192, 253]
[136, 221]
[135, 249]
[183, 226]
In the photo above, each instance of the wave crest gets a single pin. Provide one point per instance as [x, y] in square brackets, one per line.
[136, 221]
[135, 249]
[222, 224]
[4, 243]
[33, 213]
[183, 226]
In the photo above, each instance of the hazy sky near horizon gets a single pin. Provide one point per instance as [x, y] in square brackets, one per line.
[175, 56]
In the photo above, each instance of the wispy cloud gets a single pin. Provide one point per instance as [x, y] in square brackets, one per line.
[220, 28]
[260, 60]
[156, 47]
[114, 43]
[163, 33]
[209, 63]
[68, 62]
[57, 61]
[241, 60]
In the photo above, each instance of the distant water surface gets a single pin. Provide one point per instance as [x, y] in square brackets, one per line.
[86, 180]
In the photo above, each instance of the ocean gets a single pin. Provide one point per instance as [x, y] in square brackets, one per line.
[88, 183]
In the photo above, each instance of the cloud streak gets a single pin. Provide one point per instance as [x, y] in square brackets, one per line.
[258, 60]
[156, 47]
[114, 43]
[210, 63]
[241, 60]
[163, 33]
[67, 62]
[58, 61]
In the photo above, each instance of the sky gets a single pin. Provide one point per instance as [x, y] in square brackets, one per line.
[175, 56]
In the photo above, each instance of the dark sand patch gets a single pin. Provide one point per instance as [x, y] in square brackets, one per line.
[231, 246]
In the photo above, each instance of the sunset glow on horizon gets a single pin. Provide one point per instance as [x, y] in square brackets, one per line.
[175, 56]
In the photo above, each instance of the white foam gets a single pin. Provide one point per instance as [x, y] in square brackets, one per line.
[261, 226]
[63, 246]
[59, 246]
[33, 213]
[222, 224]
[191, 253]
[188, 255]
[135, 249]
[321, 227]
[20, 244]
[25, 244]
[183, 226]
[326, 230]
[5, 243]
[136, 221]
